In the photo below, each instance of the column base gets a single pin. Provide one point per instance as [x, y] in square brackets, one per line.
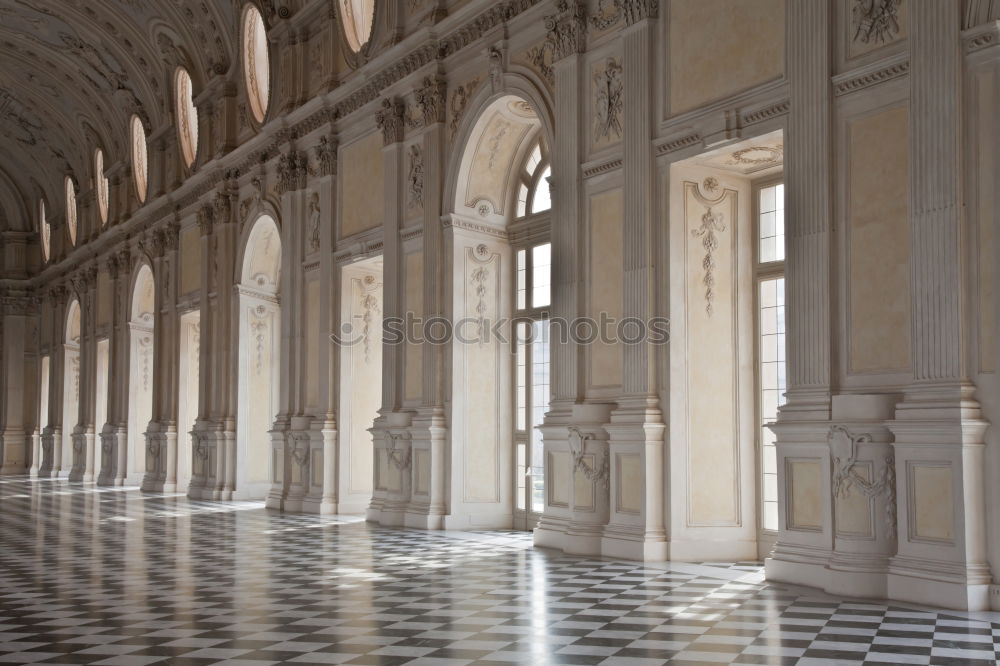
[940, 584]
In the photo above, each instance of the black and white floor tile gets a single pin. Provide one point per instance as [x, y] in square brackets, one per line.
[115, 577]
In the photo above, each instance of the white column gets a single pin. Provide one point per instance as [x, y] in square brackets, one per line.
[939, 429]
[803, 422]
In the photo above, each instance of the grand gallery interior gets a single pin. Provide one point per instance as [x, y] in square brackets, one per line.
[522, 331]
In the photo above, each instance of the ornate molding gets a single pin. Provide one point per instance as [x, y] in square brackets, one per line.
[314, 222]
[494, 59]
[326, 156]
[415, 178]
[710, 223]
[865, 77]
[608, 101]
[875, 21]
[603, 167]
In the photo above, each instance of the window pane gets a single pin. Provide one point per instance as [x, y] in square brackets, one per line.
[539, 405]
[520, 473]
[771, 224]
[543, 198]
[771, 367]
[522, 279]
[522, 375]
[541, 265]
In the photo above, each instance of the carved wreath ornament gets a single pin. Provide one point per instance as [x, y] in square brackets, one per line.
[710, 224]
[844, 449]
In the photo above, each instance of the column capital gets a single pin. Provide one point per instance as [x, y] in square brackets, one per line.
[566, 31]
[431, 99]
[390, 119]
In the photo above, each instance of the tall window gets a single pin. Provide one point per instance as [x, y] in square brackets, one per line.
[533, 195]
[256, 65]
[769, 273]
[187, 116]
[44, 230]
[71, 209]
[357, 17]
[533, 297]
[101, 185]
[140, 160]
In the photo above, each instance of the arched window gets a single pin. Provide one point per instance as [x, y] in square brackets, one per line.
[533, 195]
[71, 209]
[44, 230]
[187, 116]
[101, 185]
[140, 161]
[357, 17]
[256, 68]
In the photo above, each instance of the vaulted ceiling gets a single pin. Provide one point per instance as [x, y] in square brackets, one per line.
[72, 72]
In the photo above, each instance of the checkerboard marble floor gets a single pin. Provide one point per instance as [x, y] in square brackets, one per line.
[100, 576]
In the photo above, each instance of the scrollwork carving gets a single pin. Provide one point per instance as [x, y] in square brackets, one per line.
[844, 449]
[415, 178]
[608, 100]
[431, 98]
[875, 21]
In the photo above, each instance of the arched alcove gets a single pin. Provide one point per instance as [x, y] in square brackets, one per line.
[71, 389]
[496, 176]
[259, 360]
[141, 328]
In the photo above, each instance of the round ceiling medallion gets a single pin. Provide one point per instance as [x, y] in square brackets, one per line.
[757, 155]
[521, 108]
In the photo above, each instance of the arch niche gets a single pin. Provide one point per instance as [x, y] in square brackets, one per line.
[140, 402]
[259, 360]
[483, 189]
[71, 390]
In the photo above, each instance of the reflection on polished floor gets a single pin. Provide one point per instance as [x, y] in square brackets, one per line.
[101, 576]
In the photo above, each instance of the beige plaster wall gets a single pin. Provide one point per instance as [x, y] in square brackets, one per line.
[933, 502]
[804, 488]
[363, 191]
[630, 482]
[721, 47]
[606, 281]
[879, 241]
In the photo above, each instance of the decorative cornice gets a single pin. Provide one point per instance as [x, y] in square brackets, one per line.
[678, 143]
[451, 221]
[603, 167]
[760, 115]
[981, 37]
[865, 77]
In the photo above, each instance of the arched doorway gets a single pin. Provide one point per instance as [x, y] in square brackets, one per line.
[498, 243]
[71, 390]
[140, 401]
[259, 361]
